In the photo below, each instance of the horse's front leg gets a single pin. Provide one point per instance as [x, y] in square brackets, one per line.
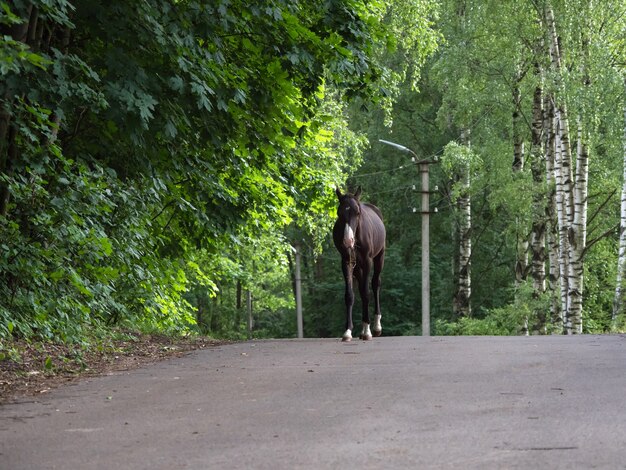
[362, 276]
[347, 269]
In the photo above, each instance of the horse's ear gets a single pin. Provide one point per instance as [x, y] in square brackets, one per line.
[338, 192]
[357, 194]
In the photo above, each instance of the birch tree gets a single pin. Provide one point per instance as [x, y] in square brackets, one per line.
[571, 193]
[618, 303]
[459, 162]
[521, 265]
[580, 37]
[530, 83]
[552, 238]
[485, 73]
[539, 201]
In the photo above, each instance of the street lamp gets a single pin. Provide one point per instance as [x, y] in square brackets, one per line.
[398, 146]
[423, 169]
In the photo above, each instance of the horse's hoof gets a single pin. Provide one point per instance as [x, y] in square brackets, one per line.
[377, 333]
[345, 339]
[366, 337]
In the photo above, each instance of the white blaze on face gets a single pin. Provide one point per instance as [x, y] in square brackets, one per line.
[348, 237]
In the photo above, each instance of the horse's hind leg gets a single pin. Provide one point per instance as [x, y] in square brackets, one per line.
[379, 261]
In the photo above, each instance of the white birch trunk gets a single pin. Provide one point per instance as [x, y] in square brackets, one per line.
[462, 298]
[571, 197]
[565, 223]
[618, 302]
[539, 212]
[559, 203]
[560, 176]
[578, 233]
[521, 265]
[552, 218]
[538, 232]
[465, 250]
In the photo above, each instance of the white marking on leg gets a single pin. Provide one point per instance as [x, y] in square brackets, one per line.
[366, 334]
[347, 336]
[377, 328]
[348, 237]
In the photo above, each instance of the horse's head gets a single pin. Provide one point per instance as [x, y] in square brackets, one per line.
[348, 214]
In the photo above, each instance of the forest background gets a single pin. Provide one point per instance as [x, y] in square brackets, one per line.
[160, 160]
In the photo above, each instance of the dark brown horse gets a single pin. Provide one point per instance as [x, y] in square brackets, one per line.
[359, 235]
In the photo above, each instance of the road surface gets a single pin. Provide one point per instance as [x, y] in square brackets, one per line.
[395, 402]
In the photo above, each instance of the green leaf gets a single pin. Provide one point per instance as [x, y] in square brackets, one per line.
[57, 275]
[8, 18]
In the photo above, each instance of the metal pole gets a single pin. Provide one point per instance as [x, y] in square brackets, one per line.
[425, 250]
[425, 190]
[298, 291]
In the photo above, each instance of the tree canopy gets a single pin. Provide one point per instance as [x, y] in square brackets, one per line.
[159, 158]
[149, 150]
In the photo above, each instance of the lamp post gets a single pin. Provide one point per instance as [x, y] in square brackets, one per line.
[423, 169]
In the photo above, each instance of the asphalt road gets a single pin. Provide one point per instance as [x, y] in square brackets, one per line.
[407, 402]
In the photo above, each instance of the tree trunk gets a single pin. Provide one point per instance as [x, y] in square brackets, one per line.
[30, 32]
[552, 241]
[538, 229]
[578, 234]
[6, 168]
[618, 302]
[518, 141]
[462, 297]
[571, 193]
[521, 264]
[8, 151]
[538, 232]
[238, 316]
[578, 230]
[561, 170]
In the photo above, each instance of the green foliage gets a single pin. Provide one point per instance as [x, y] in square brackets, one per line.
[498, 323]
[158, 160]
[488, 54]
[152, 156]
[457, 156]
[511, 319]
[600, 274]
